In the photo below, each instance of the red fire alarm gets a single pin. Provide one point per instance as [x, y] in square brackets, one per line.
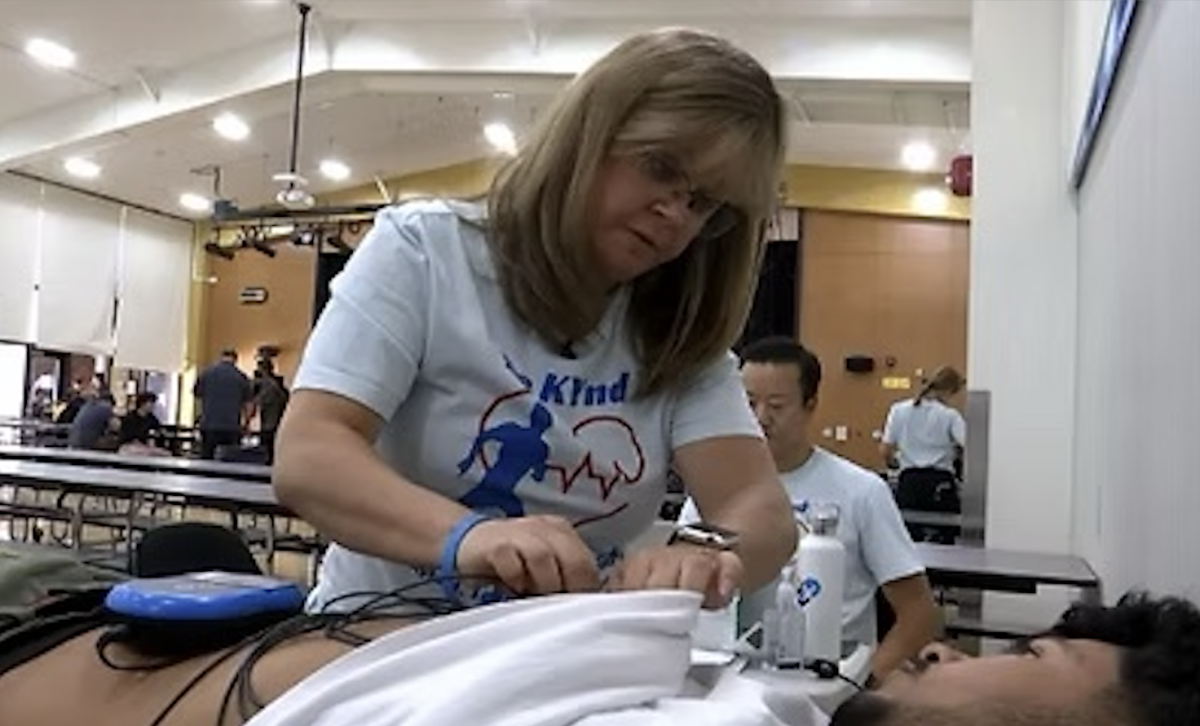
[959, 176]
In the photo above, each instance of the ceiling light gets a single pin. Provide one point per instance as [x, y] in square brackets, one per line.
[194, 202]
[918, 156]
[500, 135]
[81, 167]
[231, 127]
[930, 201]
[335, 170]
[49, 53]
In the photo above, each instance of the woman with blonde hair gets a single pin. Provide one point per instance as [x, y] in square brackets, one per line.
[924, 438]
[493, 397]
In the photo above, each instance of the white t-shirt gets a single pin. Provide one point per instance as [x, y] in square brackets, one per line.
[480, 410]
[619, 659]
[878, 547]
[926, 436]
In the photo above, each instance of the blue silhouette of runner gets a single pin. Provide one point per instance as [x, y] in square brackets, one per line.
[522, 451]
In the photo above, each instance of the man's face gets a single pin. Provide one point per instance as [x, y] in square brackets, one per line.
[1048, 676]
[774, 393]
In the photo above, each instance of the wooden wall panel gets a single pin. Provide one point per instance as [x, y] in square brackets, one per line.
[891, 288]
[284, 320]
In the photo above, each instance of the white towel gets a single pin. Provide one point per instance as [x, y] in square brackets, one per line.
[613, 659]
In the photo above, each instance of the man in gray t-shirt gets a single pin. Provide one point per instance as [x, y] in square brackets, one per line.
[92, 422]
[224, 394]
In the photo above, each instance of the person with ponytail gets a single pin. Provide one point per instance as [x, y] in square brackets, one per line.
[924, 437]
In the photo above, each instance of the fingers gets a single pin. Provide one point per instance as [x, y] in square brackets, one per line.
[509, 568]
[529, 555]
[715, 575]
[575, 561]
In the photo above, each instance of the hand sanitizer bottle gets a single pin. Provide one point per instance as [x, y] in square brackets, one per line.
[792, 621]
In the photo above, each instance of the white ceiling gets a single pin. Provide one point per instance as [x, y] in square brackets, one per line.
[396, 86]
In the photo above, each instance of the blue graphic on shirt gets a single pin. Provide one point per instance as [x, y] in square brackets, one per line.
[523, 379]
[522, 450]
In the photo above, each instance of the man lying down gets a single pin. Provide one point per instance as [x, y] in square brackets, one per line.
[609, 659]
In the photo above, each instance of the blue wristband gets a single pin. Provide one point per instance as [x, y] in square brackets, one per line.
[447, 570]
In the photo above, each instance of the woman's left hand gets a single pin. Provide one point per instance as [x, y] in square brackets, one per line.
[714, 574]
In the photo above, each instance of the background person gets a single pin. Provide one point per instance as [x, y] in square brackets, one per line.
[224, 394]
[924, 438]
[783, 381]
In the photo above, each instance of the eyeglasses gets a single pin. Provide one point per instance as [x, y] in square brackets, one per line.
[662, 168]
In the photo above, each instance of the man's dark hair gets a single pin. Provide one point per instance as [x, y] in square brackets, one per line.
[1158, 682]
[144, 398]
[1160, 657]
[781, 349]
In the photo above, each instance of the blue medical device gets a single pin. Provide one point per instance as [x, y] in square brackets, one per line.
[204, 596]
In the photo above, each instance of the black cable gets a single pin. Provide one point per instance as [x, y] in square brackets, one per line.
[827, 669]
[823, 669]
[851, 681]
[193, 682]
[334, 626]
[396, 603]
[120, 633]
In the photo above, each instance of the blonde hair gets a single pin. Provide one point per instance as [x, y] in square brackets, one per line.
[945, 380]
[682, 90]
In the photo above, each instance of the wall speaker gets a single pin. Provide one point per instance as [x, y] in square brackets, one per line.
[859, 364]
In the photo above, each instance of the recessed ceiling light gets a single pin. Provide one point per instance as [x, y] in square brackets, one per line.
[335, 170]
[81, 167]
[500, 135]
[194, 202]
[231, 127]
[49, 53]
[918, 156]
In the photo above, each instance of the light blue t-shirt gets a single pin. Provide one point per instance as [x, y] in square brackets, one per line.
[481, 411]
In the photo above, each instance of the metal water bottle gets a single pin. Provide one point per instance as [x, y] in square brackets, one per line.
[821, 572]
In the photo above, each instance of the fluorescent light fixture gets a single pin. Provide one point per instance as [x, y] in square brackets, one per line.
[335, 170]
[81, 167]
[930, 201]
[195, 202]
[918, 156]
[231, 127]
[500, 135]
[49, 53]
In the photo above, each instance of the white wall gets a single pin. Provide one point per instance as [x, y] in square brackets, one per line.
[1021, 334]
[1084, 35]
[1138, 494]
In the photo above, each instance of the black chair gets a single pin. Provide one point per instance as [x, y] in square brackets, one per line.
[182, 547]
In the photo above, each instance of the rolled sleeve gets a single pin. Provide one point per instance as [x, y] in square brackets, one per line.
[714, 405]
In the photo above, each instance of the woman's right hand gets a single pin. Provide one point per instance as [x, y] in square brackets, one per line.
[535, 555]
